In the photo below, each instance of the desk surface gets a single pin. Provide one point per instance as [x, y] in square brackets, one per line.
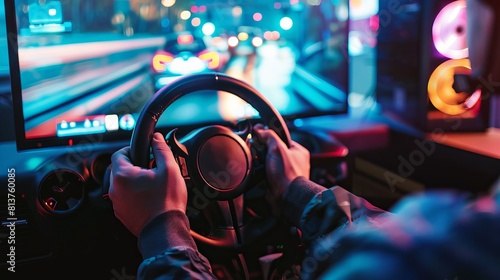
[484, 143]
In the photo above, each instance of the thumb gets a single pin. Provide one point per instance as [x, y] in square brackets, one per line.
[161, 151]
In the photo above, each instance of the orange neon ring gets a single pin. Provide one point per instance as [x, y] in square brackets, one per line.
[440, 90]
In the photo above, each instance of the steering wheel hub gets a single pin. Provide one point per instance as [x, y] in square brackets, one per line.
[223, 162]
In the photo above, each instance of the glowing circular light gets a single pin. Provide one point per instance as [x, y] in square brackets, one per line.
[185, 15]
[286, 23]
[202, 9]
[277, 5]
[194, 9]
[233, 41]
[275, 35]
[441, 92]
[257, 16]
[449, 31]
[196, 21]
[168, 3]
[268, 35]
[243, 36]
[257, 42]
[208, 29]
[236, 11]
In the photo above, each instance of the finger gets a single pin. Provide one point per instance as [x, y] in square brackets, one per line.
[121, 159]
[161, 151]
[258, 126]
[267, 136]
[111, 191]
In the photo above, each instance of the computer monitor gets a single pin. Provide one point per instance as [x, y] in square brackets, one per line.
[82, 69]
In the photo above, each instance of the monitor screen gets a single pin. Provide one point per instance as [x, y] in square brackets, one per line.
[81, 68]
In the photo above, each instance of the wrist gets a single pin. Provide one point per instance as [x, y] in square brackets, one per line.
[165, 231]
[297, 196]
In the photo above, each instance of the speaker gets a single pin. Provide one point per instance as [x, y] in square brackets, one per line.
[421, 46]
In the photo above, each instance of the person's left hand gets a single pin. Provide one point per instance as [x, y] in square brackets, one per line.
[139, 194]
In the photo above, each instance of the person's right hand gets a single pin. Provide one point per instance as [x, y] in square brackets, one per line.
[283, 164]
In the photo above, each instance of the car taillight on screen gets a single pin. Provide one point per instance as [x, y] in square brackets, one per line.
[185, 39]
[211, 57]
[160, 60]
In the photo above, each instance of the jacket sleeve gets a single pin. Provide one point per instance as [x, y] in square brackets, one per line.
[169, 251]
[317, 211]
[431, 235]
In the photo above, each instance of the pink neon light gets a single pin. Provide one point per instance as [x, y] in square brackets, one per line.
[449, 31]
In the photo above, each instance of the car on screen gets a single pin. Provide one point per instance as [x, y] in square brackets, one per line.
[182, 54]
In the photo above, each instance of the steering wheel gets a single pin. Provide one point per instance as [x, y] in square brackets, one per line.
[215, 161]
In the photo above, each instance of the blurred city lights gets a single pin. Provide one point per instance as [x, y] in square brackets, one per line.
[362, 9]
[271, 35]
[277, 5]
[257, 42]
[185, 15]
[168, 3]
[232, 41]
[118, 18]
[194, 9]
[236, 11]
[243, 36]
[276, 35]
[165, 22]
[268, 35]
[342, 12]
[355, 43]
[202, 9]
[314, 2]
[178, 27]
[185, 39]
[257, 16]
[208, 29]
[217, 40]
[195, 21]
[286, 23]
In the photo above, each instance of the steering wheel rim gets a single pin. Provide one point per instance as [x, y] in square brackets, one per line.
[150, 114]
[163, 98]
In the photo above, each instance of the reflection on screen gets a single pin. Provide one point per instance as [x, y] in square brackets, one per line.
[89, 67]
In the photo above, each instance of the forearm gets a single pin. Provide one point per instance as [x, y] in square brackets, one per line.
[169, 250]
